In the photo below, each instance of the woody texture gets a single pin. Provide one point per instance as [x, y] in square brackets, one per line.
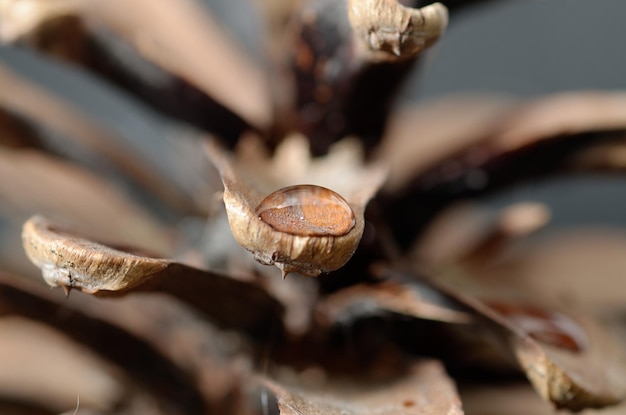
[252, 207]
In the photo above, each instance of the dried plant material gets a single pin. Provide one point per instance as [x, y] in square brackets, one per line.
[342, 88]
[157, 31]
[411, 298]
[605, 156]
[514, 222]
[453, 233]
[218, 361]
[566, 113]
[467, 233]
[75, 39]
[168, 386]
[276, 12]
[221, 253]
[84, 411]
[16, 132]
[425, 390]
[34, 182]
[72, 262]
[54, 375]
[34, 103]
[277, 16]
[323, 73]
[547, 326]
[419, 136]
[508, 152]
[594, 378]
[392, 31]
[505, 399]
[314, 229]
[585, 264]
[545, 125]
[522, 219]
[20, 17]
[567, 357]
[185, 340]
[514, 399]
[297, 295]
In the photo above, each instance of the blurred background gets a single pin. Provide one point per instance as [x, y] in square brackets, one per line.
[519, 48]
[528, 49]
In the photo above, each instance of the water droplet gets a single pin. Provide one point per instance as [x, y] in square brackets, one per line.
[307, 210]
[546, 326]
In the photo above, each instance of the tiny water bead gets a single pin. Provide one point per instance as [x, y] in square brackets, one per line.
[307, 210]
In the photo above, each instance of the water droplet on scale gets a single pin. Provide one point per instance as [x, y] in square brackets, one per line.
[307, 210]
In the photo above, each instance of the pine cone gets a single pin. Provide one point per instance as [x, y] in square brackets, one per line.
[264, 230]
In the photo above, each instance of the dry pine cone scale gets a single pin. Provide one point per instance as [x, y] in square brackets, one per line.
[165, 179]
